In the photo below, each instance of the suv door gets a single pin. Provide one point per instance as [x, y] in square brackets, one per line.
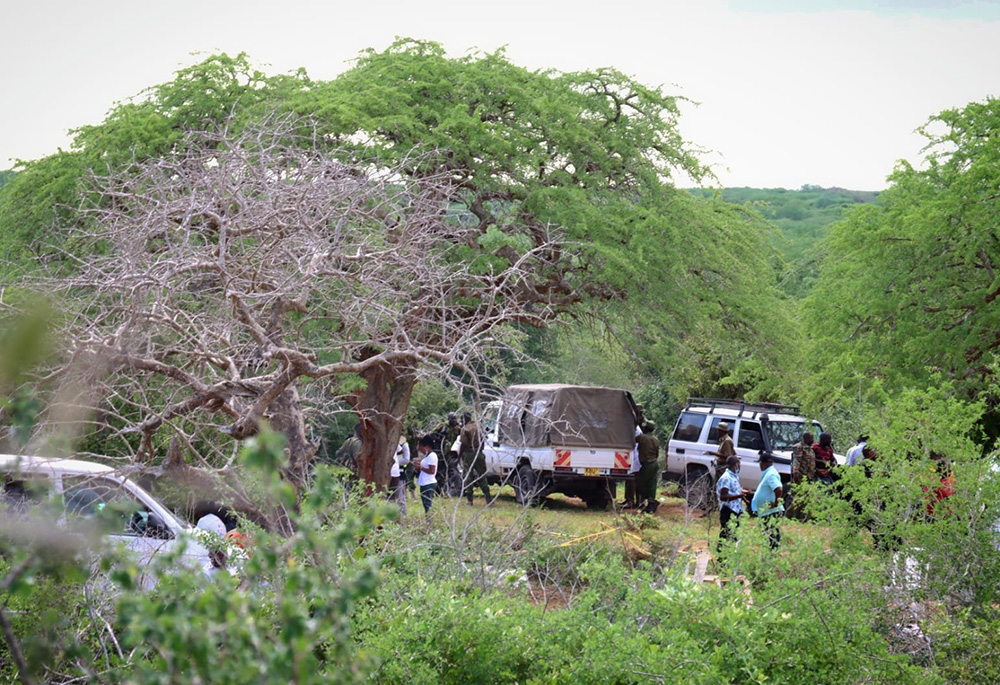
[132, 523]
[686, 440]
[496, 458]
[749, 441]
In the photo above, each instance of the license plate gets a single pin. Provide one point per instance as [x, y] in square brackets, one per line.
[591, 472]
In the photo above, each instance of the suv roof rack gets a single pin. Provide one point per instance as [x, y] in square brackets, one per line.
[716, 403]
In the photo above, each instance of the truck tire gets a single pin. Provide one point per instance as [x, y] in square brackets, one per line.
[598, 501]
[698, 490]
[600, 497]
[525, 485]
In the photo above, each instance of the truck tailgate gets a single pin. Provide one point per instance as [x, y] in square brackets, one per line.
[586, 458]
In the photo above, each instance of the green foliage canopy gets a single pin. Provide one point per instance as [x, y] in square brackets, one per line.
[907, 288]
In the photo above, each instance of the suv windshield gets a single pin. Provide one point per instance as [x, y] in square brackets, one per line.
[783, 435]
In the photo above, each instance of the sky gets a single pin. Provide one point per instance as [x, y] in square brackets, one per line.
[788, 92]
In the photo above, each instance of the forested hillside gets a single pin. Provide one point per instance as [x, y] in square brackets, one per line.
[803, 218]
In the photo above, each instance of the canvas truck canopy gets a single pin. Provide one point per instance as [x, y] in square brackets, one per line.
[567, 415]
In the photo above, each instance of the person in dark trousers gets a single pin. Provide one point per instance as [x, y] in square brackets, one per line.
[473, 461]
[649, 468]
[803, 471]
[449, 471]
[426, 467]
[730, 494]
[767, 500]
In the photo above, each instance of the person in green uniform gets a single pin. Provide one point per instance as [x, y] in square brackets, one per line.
[449, 473]
[473, 461]
[649, 468]
[347, 455]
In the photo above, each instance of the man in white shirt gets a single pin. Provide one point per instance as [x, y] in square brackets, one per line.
[397, 484]
[426, 467]
[856, 453]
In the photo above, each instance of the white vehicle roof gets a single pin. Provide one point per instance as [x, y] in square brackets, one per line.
[737, 410]
[11, 462]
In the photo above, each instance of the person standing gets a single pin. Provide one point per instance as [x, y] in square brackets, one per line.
[803, 471]
[450, 473]
[397, 483]
[767, 502]
[473, 461]
[803, 459]
[347, 455]
[730, 494]
[426, 467]
[856, 453]
[823, 451]
[630, 485]
[726, 448]
[648, 448]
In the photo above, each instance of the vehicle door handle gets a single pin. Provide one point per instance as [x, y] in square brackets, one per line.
[680, 451]
[496, 443]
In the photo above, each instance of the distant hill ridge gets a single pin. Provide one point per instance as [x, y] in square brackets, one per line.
[802, 216]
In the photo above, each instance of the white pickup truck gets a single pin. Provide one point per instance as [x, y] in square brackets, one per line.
[572, 439]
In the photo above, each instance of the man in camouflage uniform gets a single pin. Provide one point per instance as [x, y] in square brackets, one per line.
[803, 470]
[803, 460]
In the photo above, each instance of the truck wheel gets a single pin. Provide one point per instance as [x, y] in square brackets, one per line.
[698, 491]
[598, 500]
[524, 485]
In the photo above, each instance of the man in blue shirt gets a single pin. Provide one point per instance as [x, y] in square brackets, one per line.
[730, 494]
[767, 500]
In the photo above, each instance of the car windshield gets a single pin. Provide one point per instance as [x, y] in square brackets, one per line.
[783, 435]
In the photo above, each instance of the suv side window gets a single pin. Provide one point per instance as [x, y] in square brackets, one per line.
[689, 427]
[713, 433]
[87, 497]
[750, 436]
[490, 418]
[18, 495]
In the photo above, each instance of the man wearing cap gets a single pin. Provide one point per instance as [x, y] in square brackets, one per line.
[767, 500]
[726, 448]
[649, 467]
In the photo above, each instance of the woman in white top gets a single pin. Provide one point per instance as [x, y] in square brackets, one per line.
[426, 467]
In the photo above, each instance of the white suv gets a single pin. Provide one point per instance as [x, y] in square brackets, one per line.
[753, 427]
[146, 527]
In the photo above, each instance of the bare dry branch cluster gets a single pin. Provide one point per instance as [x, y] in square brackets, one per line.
[215, 282]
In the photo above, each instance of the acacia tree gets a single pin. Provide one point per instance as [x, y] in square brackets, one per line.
[226, 278]
[687, 282]
[908, 288]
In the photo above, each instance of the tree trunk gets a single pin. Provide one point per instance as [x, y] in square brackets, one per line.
[381, 407]
[287, 419]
